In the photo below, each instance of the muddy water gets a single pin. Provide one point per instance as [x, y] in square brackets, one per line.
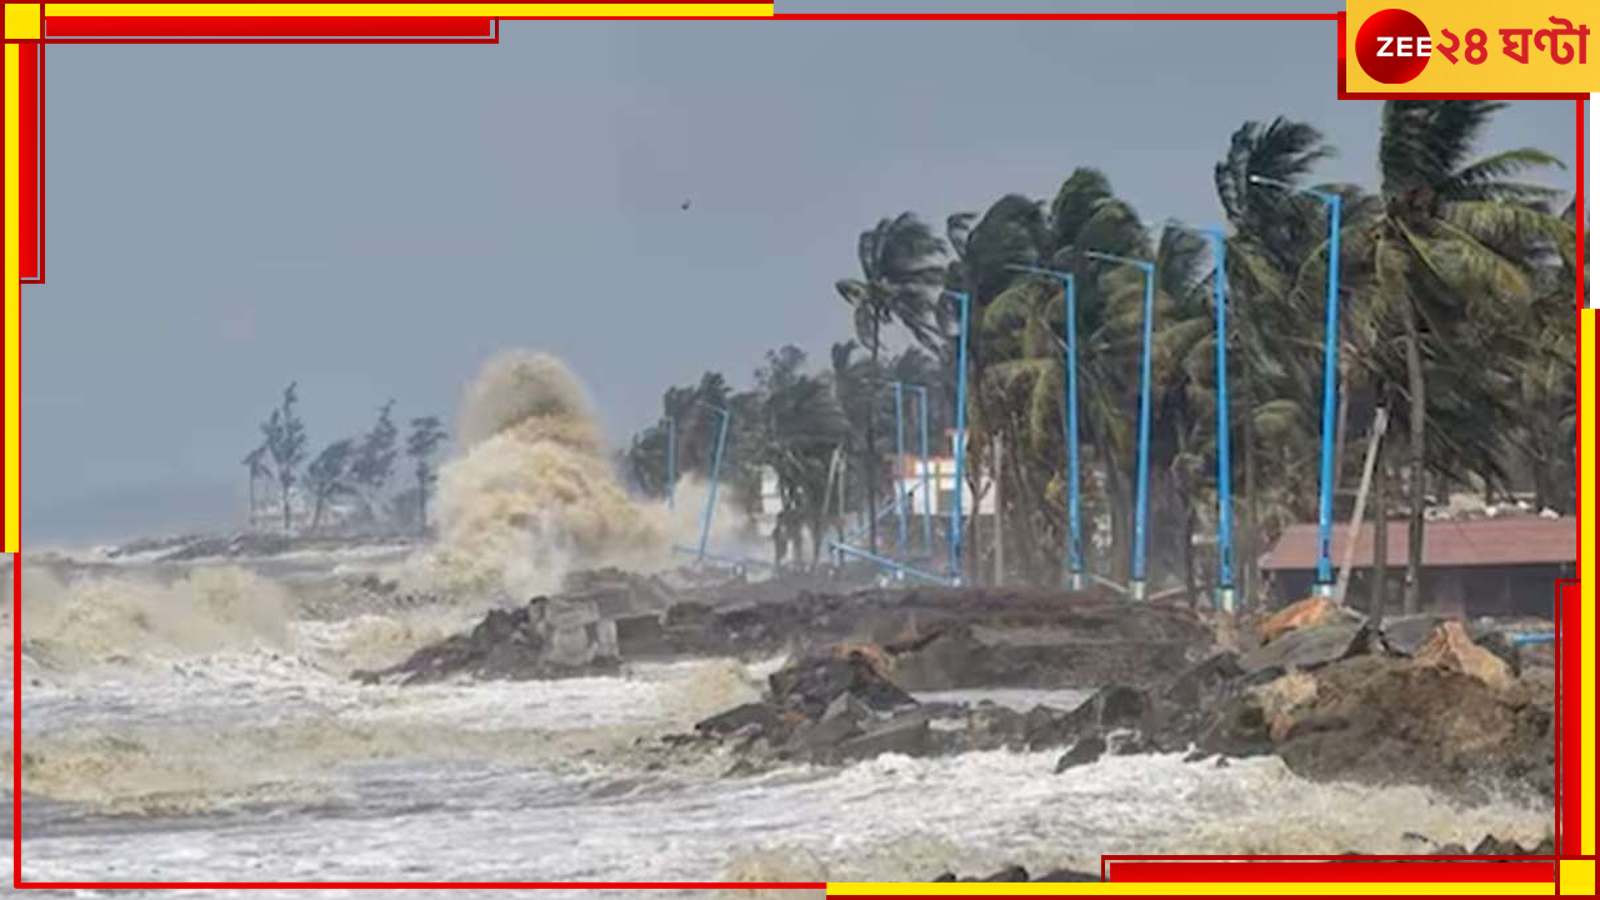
[237, 749]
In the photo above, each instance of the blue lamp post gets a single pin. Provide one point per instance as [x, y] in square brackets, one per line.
[716, 471]
[1075, 578]
[899, 466]
[1323, 586]
[961, 435]
[1219, 284]
[927, 496]
[1137, 584]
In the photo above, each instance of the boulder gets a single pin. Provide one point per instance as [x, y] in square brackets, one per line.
[907, 737]
[1307, 613]
[1088, 750]
[1068, 875]
[813, 683]
[1307, 647]
[734, 719]
[1452, 649]
[1286, 694]
[1407, 634]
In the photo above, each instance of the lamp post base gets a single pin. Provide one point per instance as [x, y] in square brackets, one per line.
[1136, 590]
[1322, 590]
[1075, 581]
[1226, 599]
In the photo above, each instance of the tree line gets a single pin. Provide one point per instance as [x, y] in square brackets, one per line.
[1457, 288]
[357, 469]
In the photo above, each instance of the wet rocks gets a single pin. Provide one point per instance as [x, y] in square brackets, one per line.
[1018, 875]
[546, 638]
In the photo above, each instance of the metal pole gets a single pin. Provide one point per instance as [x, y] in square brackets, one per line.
[1075, 580]
[927, 492]
[899, 465]
[672, 460]
[716, 471]
[961, 438]
[1330, 389]
[1074, 570]
[1225, 595]
[1137, 582]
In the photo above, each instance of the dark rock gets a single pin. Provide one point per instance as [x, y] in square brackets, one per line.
[907, 737]
[814, 683]
[1493, 846]
[948, 876]
[1085, 751]
[734, 719]
[1305, 648]
[1499, 643]
[1068, 875]
[1407, 634]
[1009, 875]
[1450, 850]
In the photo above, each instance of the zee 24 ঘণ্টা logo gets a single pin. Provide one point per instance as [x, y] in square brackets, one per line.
[1393, 46]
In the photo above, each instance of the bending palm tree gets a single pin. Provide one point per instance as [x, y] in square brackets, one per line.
[899, 274]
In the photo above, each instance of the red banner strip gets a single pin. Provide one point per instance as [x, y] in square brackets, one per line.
[30, 160]
[1315, 872]
[267, 26]
[1570, 714]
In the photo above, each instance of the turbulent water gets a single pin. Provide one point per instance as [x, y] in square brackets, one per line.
[200, 724]
[180, 731]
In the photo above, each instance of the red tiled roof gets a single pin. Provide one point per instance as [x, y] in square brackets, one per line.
[1522, 540]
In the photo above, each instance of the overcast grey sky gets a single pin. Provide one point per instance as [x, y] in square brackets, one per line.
[374, 221]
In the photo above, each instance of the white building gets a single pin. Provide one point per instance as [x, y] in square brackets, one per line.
[941, 473]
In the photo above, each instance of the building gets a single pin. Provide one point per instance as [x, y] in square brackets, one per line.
[941, 473]
[1480, 567]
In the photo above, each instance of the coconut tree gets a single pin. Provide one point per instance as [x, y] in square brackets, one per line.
[900, 272]
[1441, 279]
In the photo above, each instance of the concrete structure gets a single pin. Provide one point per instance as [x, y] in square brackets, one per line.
[1505, 566]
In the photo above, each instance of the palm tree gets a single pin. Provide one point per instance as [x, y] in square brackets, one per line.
[899, 275]
[801, 423]
[1441, 276]
[256, 462]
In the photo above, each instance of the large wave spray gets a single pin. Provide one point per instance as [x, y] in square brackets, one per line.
[533, 494]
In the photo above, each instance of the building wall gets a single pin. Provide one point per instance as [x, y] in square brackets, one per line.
[1511, 591]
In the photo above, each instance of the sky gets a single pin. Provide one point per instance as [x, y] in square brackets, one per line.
[375, 221]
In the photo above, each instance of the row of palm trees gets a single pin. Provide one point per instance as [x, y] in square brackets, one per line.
[1457, 276]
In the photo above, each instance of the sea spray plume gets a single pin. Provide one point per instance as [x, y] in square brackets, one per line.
[91, 619]
[532, 494]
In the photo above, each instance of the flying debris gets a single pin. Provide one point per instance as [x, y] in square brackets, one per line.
[685, 205]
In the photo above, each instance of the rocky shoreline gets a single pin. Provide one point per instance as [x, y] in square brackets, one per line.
[1419, 701]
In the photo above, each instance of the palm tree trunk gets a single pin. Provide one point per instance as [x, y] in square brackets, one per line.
[1419, 424]
[872, 445]
[1380, 539]
[1251, 509]
[283, 491]
[997, 463]
[250, 519]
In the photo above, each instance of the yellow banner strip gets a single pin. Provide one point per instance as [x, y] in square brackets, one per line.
[469, 10]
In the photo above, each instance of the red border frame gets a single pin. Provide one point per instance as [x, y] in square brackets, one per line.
[248, 30]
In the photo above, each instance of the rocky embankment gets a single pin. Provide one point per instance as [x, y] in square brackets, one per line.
[1419, 701]
[1333, 697]
[941, 639]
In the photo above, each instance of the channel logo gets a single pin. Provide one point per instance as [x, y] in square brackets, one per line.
[1393, 46]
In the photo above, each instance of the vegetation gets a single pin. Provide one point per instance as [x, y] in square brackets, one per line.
[1457, 281]
[351, 468]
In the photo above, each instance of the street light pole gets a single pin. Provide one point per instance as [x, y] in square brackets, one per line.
[716, 471]
[899, 466]
[927, 495]
[961, 435]
[1136, 582]
[1323, 586]
[1219, 283]
[1074, 576]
